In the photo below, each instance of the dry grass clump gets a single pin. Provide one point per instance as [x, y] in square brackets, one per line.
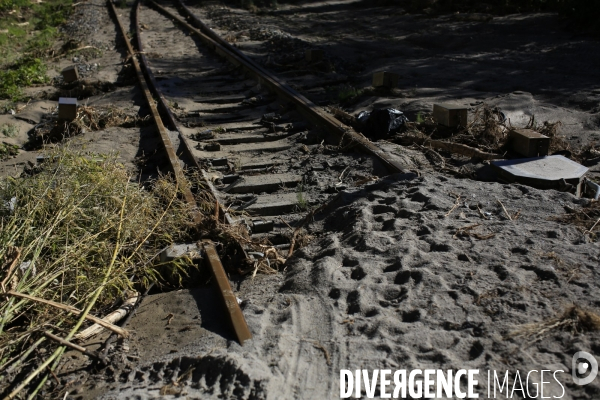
[264, 258]
[88, 118]
[79, 232]
[552, 130]
[487, 131]
[96, 119]
[574, 319]
[587, 219]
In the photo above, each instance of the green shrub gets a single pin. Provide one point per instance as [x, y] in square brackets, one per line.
[26, 72]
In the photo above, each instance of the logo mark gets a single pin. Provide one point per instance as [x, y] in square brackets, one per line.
[580, 367]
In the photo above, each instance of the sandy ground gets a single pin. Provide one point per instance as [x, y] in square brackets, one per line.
[532, 65]
[394, 284]
[394, 280]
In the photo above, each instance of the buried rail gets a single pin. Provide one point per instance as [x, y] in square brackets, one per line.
[307, 108]
[235, 313]
[190, 159]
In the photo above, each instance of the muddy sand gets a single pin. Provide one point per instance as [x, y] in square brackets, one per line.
[396, 283]
[400, 274]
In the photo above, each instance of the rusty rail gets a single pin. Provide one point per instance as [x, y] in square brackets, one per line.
[144, 77]
[163, 107]
[164, 135]
[308, 109]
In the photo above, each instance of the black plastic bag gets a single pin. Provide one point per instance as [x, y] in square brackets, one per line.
[382, 122]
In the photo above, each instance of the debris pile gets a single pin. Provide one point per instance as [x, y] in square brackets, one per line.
[87, 119]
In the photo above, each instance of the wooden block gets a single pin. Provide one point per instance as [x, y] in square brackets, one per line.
[314, 55]
[70, 74]
[529, 143]
[385, 79]
[450, 115]
[67, 108]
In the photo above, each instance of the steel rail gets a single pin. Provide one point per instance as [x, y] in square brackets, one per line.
[235, 314]
[164, 135]
[167, 114]
[307, 108]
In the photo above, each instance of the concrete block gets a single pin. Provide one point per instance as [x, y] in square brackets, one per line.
[385, 79]
[262, 226]
[67, 108]
[214, 146]
[174, 251]
[314, 55]
[529, 143]
[70, 74]
[263, 183]
[215, 162]
[450, 115]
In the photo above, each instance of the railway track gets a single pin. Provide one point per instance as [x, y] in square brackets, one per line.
[267, 154]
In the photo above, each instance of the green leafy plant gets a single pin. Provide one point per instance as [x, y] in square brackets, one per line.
[420, 118]
[8, 150]
[347, 93]
[25, 72]
[301, 197]
[9, 130]
[29, 31]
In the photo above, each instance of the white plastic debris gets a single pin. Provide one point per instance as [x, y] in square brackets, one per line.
[26, 266]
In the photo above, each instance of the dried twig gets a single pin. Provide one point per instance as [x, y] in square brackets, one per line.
[574, 317]
[13, 264]
[73, 346]
[342, 176]
[462, 231]
[504, 208]
[319, 346]
[112, 318]
[593, 226]
[299, 228]
[217, 211]
[170, 318]
[467, 231]
[455, 206]
[482, 213]
[516, 215]
[288, 225]
[456, 148]
[72, 310]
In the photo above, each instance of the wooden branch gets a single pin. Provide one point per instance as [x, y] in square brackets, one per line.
[217, 211]
[12, 266]
[593, 226]
[306, 219]
[457, 148]
[454, 207]
[72, 310]
[504, 208]
[344, 116]
[111, 318]
[73, 346]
